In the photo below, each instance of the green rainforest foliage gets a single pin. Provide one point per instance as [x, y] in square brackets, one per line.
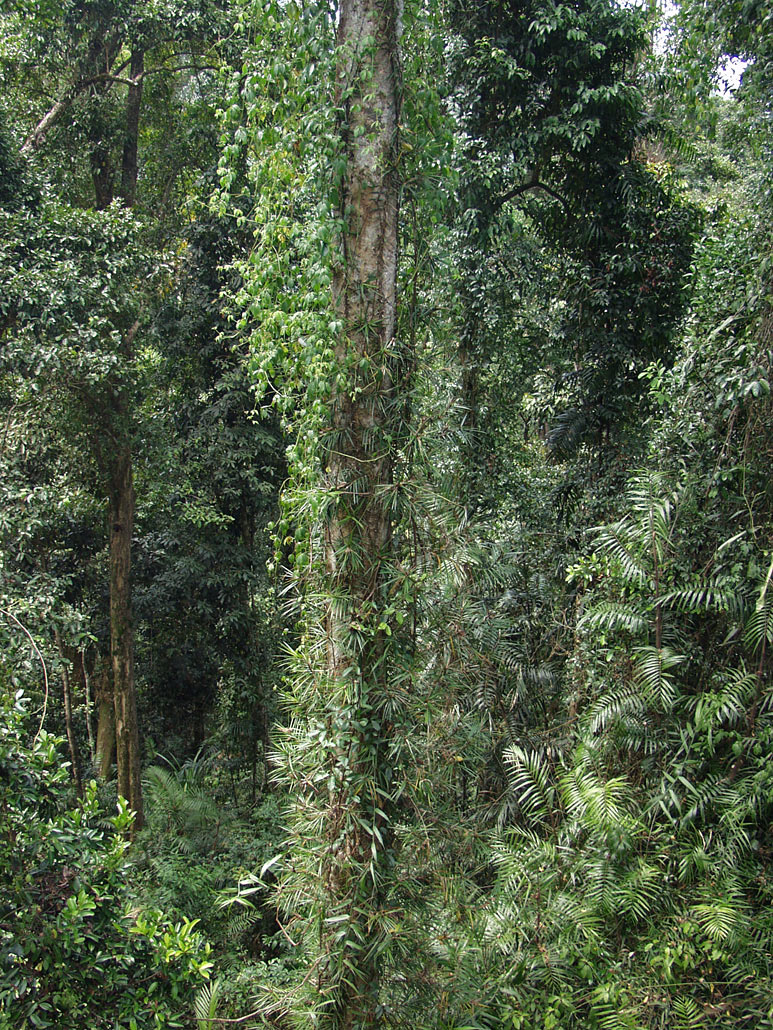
[386, 537]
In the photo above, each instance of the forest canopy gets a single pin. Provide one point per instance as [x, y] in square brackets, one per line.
[386, 554]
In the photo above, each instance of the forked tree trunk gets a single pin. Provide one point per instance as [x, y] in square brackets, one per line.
[358, 540]
[127, 742]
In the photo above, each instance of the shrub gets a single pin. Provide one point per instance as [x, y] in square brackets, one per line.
[73, 952]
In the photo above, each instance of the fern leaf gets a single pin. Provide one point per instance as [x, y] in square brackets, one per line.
[618, 541]
[205, 1005]
[759, 628]
[718, 919]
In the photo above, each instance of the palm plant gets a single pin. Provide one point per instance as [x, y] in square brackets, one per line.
[631, 880]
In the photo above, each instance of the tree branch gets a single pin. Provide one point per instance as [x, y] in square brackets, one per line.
[36, 649]
[37, 137]
[38, 134]
[534, 184]
[135, 80]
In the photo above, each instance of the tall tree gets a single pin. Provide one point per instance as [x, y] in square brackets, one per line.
[553, 112]
[320, 293]
[358, 479]
[99, 142]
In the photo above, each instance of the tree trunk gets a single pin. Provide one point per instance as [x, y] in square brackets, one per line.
[122, 633]
[83, 674]
[358, 542]
[101, 164]
[68, 724]
[105, 726]
[129, 164]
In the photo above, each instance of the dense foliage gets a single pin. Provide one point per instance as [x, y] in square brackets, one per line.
[385, 439]
[74, 950]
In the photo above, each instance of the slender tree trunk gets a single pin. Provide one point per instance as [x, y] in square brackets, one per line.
[85, 679]
[127, 738]
[128, 759]
[472, 361]
[265, 740]
[358, 540]
[105, 724]
[67, 696]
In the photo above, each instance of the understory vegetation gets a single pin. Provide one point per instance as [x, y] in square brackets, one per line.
[386, 553]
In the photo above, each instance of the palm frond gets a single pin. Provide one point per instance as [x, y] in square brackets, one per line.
[651, 670]
[205, 1005]
[610, 616]
[530, 781]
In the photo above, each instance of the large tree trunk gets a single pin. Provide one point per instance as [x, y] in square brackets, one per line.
[129, 162]
[122, 633]
[358, 540]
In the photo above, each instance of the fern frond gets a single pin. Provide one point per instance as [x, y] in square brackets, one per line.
[566, 433]
[597, 804]
[619, 540]
[205, 1005]
[718, 919]
[640, 891]
[703, 597]
[609, 1016]
[759, 627]
[623, 700]
[728, 705]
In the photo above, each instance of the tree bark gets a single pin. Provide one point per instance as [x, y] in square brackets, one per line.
[38, 135]
[128, 758]
[129, 164]
[102, 175]
[365, 295]
[105, 725]
[358, 542]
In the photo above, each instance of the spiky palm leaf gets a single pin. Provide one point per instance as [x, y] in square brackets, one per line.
[651, 670]
[205, 1005]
